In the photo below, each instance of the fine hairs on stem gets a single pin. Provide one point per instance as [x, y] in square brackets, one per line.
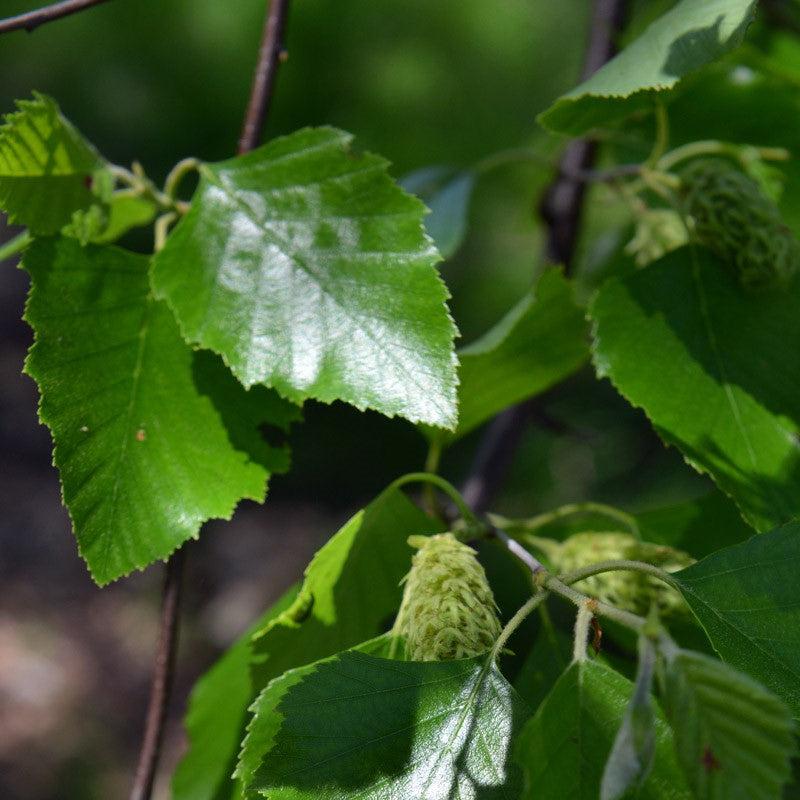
[583, 620]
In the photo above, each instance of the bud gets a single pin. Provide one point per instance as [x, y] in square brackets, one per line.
[633, 591]
[448, 610]
[739, 223]
[658, 231]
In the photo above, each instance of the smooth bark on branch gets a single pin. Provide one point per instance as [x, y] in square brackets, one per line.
[31, 20]
[163, 670]
[560, 209]
[269, 56]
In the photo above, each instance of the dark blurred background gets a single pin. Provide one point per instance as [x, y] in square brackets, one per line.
[422, 83]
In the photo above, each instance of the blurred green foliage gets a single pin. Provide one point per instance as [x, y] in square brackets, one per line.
[418, 82]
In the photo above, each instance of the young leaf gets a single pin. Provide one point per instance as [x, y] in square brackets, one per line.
[106, 222]
[350, 592]
[447, 193]
[634, 747]
[708, 363]
[733, 738]
[687, 37]
[47, 169]
[541, 341]
[151, 439]
[747, 598]
[564, 748]
[351, 589]
[357, 726]
[216, 718]
[309, 270]
[365, 559]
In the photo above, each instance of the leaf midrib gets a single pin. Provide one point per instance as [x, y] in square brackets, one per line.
[361, 323]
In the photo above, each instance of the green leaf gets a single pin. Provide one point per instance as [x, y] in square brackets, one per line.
[697, 527]
[689, 36]
[747, 598]
[106, 222]
[47, 169]
[447, 193]
[631, 757]
[350, 593]
[733, 738]
[351, 589]
[216, 719]
[541, 341]
[151, 439]
[708, 363]
[549, 655]
[564, 748]
[366, 727]
[309, 270]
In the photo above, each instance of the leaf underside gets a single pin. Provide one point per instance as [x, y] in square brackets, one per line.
[564, 748]
[689, 36]
[747, 597]
[733, 738]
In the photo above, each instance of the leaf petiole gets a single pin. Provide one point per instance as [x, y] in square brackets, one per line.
[616, 565]
[531, 605]
[15, 245]
[569, 510]
[447, 488]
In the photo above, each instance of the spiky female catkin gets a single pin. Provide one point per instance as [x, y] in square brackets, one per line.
[448, 609]
[733, 218]
[633, 591]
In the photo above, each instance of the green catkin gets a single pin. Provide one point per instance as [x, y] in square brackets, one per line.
[448, 609]
[632, 591]
[731, 216]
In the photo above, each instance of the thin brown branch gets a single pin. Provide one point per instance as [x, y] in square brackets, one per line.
[562, 204]
[161, 685]
[33, 19]
[561, 210]
[270, 55]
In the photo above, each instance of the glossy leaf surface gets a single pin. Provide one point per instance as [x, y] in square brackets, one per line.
[308, 269]
[564, 748]
[688, 36]
[709, 364]
[733, 738]
[747, 597]
[151, 439]
[47, 168]
[357, 726]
